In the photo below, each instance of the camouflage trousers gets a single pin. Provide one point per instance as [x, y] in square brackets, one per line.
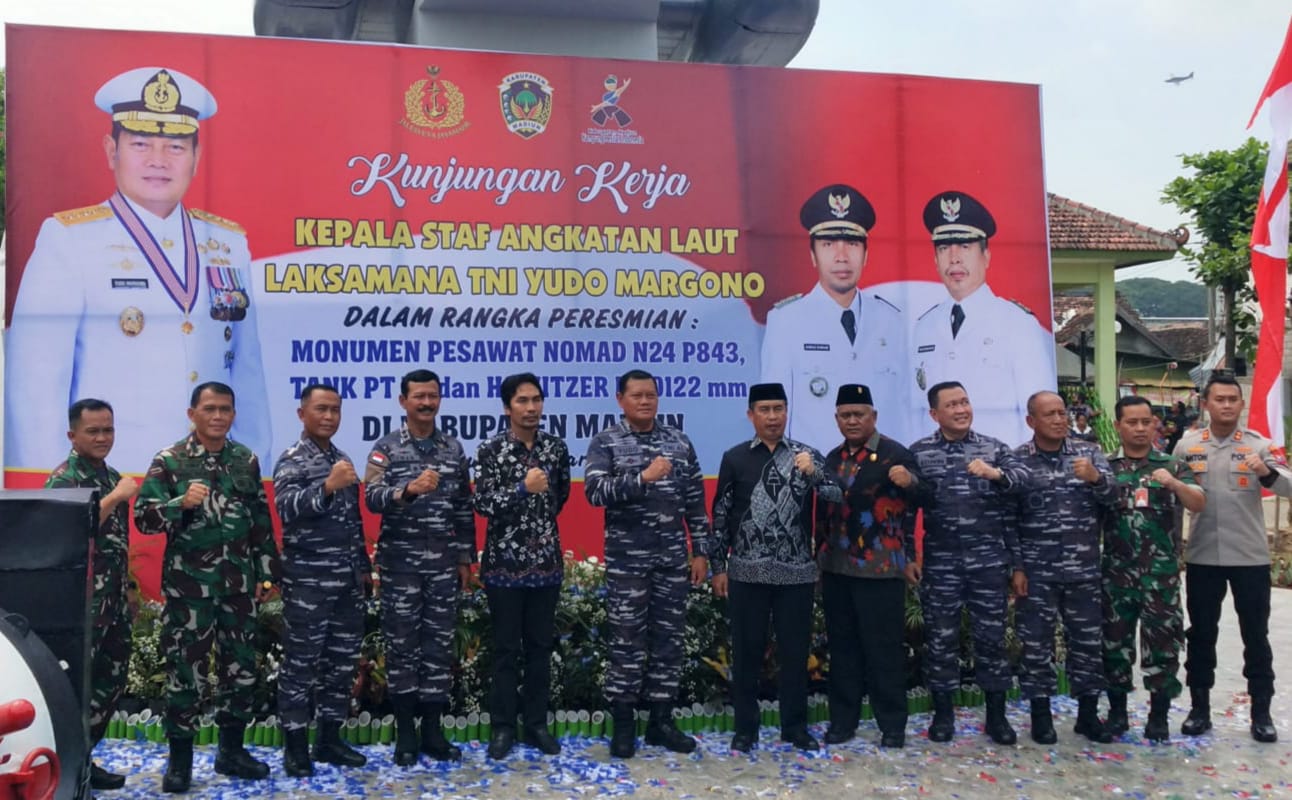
[190, 627]
[647, 614]
[944, 592]
[1152, 600]
[1078, 605]
[323, 628]
[419, 611]
[111, 640]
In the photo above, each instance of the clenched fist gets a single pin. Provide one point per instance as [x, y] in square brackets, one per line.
[658, 469]
[341, 476]
[981, 469]
[900, 476]
[535, 481]
[1084, 469]
[803, 462]
[195, 495]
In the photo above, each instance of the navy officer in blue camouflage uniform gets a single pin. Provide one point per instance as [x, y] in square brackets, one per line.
[522, 483]
[647, 477]
[316, 490]
[1071, 489]
[417, 479]
[761, 553]
[966, 484]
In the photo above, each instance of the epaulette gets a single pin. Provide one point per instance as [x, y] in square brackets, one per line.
[887, 303]
[787, 300]
[1026, 310]
[76, 216]
[214, 219]
[926, 313]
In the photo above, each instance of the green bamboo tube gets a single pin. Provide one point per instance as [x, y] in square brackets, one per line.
[598, 724]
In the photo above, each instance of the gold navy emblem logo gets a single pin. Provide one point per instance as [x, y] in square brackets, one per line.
[434, 107]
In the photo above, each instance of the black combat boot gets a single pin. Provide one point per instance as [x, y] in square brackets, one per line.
[623, 742]
[943, 726]
[997, 726]
[103, 781]
[1088, 724]
[179, 769]
[1199, 720]
[1158, 729]
[434, 743]
[231, 758]
[663, 731]
[1117, 722]
[331, 749]
[1043, 721]
[406, 741]
[296, 753]
[1263, 729]
[540, 737]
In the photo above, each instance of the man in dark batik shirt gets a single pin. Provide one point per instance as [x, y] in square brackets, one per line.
[522, 482]
[761, 553]
[861, 551]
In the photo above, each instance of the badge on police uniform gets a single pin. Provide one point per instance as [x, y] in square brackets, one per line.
[818, 386]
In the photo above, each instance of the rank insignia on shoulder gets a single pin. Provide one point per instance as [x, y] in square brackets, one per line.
[76, 216]
[787, 300]
[215, 219]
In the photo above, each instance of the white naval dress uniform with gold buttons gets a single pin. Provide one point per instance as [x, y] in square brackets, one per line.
[93, 318]
[806, 350]
[1001, 354]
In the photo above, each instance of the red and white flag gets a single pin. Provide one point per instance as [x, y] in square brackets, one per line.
[1270, 252]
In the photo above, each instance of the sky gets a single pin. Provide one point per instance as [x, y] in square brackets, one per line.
[1114, 129]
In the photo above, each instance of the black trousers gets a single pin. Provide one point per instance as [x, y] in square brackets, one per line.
[523, 628]
[864, 620]
[790, 609]
[1205, 591]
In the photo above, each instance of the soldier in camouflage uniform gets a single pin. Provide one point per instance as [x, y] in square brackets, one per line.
[325, 565]
[966, 485]
[91, 431]
[1141, 566]
[648, 478]
[1058, 535]
[204, 492]
[417, 479]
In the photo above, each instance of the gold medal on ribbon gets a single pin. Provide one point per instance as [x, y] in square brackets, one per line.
[131, 321]
[187, 327]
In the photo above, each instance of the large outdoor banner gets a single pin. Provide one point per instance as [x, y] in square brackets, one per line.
[347, 213]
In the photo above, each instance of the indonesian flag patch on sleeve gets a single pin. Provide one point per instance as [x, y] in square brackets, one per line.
[378, 459]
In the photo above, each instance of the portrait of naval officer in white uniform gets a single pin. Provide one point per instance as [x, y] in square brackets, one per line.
[136, 299]
[995, 347]
[836, 334]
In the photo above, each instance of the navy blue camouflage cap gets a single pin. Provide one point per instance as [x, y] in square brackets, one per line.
[838, 212]
[953, 216]
[853, 394]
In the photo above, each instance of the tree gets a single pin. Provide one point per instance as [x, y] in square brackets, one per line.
[1154, 297]
[1221, 197]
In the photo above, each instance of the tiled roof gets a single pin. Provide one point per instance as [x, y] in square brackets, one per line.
[1187, 340]
[1077, 226]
